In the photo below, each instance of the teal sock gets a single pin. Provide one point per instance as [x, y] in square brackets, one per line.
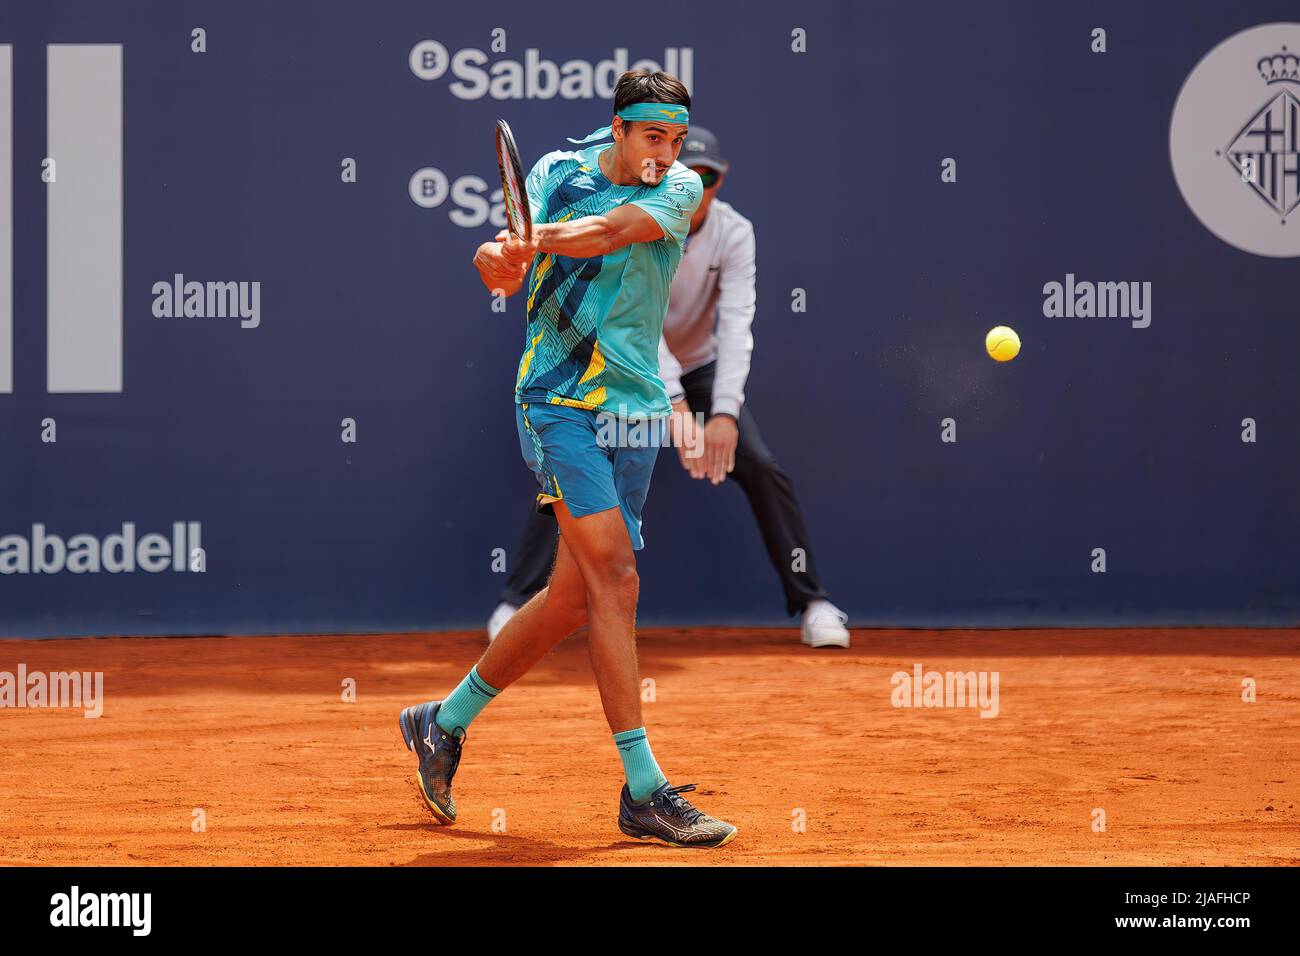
[643, 774]
[465, 702]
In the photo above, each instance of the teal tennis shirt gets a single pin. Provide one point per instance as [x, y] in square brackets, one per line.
[594, 324]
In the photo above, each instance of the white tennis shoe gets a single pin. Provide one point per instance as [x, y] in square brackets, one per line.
[823, 625]
[504, 612]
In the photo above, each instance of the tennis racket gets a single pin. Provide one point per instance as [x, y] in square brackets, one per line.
[518, 218]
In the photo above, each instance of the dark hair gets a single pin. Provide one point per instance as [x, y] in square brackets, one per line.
[642, 86]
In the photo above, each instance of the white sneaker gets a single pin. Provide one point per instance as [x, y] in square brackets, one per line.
[504, 612]
[823, 625]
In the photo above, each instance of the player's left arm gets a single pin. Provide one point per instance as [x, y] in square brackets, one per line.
[501, 264]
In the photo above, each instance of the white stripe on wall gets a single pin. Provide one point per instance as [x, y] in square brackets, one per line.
[6, 219]
[84, 214]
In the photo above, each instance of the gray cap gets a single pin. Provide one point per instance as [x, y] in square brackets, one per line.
[701, 149]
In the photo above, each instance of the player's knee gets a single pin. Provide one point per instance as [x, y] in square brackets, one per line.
[618, 584]
[620, 577]
[568, 607]
[572, 615]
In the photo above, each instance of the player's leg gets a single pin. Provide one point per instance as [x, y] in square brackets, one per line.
[596, 488]
[602, 551]
[435, 730]
[602, 544]
[552, 614]
[554, 611]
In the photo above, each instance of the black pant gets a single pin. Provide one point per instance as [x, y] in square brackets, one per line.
[765, 483]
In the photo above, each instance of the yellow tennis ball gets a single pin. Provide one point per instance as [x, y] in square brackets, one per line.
[1002, 343]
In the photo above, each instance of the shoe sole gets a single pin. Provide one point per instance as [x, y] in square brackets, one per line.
[826, 642]
[438, 815]
[681, 846]
[408, 738]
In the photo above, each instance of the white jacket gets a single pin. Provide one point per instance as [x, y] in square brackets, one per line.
[711, 309]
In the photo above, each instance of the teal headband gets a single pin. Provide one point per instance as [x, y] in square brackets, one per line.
[663, 112]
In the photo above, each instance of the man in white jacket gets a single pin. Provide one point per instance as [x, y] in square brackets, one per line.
[704, 358]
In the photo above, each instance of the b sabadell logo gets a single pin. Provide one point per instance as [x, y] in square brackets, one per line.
[1234, 140]
[477, 73]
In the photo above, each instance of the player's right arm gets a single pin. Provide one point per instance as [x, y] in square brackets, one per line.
[598, 235]
[502, 265]
[662, 213]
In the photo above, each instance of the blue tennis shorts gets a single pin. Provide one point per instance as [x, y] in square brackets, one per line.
[592, 461]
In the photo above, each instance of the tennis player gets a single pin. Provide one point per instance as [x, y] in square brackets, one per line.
[704, 359]
[610, 221]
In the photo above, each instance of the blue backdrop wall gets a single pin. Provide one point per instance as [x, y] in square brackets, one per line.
[1099, 435]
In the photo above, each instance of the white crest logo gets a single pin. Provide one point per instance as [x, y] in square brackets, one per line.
[1234, 140]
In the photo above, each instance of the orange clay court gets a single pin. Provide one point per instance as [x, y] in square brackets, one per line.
[1148, 725]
